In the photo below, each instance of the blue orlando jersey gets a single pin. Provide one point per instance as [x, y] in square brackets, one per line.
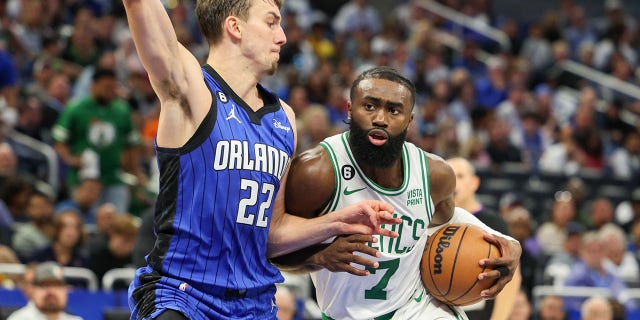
[217, 193]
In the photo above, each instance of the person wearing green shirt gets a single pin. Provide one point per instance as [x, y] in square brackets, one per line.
[95, 138]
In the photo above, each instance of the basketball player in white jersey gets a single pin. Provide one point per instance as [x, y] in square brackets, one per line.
[373, 161]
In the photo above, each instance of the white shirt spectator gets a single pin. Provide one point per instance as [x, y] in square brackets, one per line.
[30, 312]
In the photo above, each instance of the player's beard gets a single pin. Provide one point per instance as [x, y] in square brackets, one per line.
[377, 156]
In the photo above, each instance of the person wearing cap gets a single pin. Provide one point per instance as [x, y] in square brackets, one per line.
[48, 298]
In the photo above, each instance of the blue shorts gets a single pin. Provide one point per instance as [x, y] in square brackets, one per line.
[150, 294]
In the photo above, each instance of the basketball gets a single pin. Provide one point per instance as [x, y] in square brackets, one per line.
[449, 267]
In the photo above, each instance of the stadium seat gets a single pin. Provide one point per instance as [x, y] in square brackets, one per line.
[118, 278]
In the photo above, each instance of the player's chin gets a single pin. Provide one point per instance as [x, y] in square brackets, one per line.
[273, 69]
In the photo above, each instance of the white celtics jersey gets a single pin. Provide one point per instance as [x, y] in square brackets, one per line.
[387, 288]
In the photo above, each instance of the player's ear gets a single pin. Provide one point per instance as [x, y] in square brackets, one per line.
[233, 26]
[349, 111]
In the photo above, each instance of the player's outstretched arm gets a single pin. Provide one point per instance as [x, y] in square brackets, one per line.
[337, 256]
[163, 57]
[290, 233]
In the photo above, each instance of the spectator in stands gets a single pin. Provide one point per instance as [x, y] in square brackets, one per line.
[577, 32]
[619, 260]
[48, 296]
[14, 194]
[66, 248]
[552, 234]
[559, 264]
[84, 199]
[116, 251]
[596, 308]
[357, 15]
[100, 234]
[521, 226]
[101, 125]
[537, 50]
[551, 308]
[624, 162]
[8, 86]
[589, 271]
[38, 232]
[492, 88]
[600, 213]
[314, 126]
[7, 169]
[286, 302]
[500, 148]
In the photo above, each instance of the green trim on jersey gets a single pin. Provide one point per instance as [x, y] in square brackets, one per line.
[371, 184]
[426, 178]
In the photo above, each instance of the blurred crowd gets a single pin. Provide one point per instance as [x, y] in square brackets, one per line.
[78, 117]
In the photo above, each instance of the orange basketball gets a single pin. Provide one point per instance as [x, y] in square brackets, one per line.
[449, 267]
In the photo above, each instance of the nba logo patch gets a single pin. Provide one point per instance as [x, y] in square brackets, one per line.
[183, 286]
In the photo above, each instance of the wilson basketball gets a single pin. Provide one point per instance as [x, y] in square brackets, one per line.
[450, 268]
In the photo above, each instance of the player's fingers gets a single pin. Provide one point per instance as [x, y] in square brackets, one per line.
[380, 206]
[363, 238]
[356, 271]
[493, 291]
[365, 262]
[493, 239]
[361, 247]
[492, 263]
[387, 233]
[387, 217]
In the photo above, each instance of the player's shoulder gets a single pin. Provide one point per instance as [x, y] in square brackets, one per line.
[312, 162]
[441, 174]
[437, 165]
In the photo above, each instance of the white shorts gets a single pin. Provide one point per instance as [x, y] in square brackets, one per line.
[424, 307]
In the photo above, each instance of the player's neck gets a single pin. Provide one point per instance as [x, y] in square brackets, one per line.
[238, 75]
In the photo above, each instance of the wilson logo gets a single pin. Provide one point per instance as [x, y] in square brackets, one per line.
[443, 243]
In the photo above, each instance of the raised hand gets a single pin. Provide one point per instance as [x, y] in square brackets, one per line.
[503, 268]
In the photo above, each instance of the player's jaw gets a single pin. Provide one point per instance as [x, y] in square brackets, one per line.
[375, 147]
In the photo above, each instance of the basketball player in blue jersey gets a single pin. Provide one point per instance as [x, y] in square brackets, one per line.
[373, 161]
[223, 146]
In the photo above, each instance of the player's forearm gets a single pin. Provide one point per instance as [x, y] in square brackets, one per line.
[291, 233]
[154, 36]
[506, 299]
[464, 216]
[300, 261]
